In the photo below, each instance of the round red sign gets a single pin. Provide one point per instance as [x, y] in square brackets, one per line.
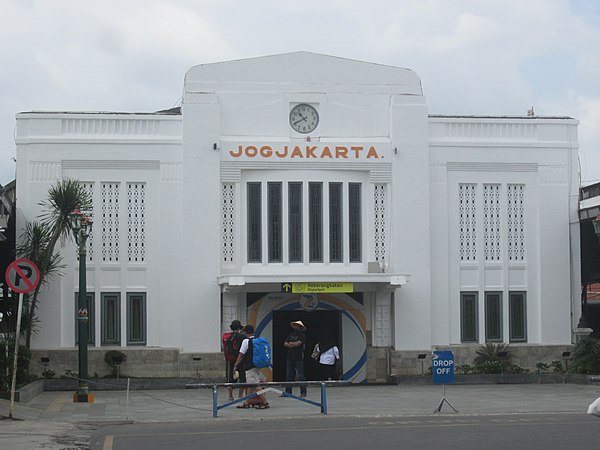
[22, 275]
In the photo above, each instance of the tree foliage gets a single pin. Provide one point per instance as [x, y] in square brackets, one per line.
[39, 239]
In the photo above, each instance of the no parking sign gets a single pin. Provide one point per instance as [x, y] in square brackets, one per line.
[22, 275]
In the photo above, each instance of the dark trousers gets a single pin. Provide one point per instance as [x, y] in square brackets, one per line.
[329, 372]
[295, 368]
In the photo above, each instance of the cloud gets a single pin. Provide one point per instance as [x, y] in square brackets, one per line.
[474, 57]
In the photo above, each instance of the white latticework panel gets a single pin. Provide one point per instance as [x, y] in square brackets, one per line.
[88, 188]
[379, 214]
[516, 222]
[228, 222]
[468, 222]
[491, 221]
[110, 222]
[136, 222]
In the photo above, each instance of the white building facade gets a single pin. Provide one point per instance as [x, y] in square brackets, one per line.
[308, 187]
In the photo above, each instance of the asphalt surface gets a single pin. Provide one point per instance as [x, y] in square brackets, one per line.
[53, 421]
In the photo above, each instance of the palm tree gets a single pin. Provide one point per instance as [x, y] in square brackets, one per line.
[64, 197]
[34, 246]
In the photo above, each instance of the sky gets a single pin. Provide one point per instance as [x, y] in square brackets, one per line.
[474, 57]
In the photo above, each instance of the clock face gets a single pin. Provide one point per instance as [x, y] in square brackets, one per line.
[304, 118]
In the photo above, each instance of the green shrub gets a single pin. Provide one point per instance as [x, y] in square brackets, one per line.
[48, 374]
[515, 368]
[465, 369]
[586, 357]
[542, 367]
[557, 366]
[493, 358]
[114, 359]
[7, 357]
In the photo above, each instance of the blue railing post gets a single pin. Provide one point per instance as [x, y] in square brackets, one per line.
[324, 398]
[215, 402]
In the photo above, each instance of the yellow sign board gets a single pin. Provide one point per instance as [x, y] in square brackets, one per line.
[311, 288]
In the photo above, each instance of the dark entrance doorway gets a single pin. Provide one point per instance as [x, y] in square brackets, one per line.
[315, 322]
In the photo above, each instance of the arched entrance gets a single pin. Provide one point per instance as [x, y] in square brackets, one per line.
[315, 322]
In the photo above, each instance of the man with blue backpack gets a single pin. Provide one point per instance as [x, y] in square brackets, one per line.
[254, 355]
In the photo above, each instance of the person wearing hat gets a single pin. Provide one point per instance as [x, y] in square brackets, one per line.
[295, 343]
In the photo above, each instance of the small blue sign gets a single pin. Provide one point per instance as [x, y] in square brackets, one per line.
[442, 366]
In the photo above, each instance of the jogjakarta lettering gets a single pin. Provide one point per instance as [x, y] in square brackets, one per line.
[307, 152]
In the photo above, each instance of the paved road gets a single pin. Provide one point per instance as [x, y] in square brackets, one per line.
[53, 421]
[513, 431]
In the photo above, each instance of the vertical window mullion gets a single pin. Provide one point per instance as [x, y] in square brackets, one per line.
[315, 206]
[469, 317]
[493, 317]
[136, 318]
[335, 222]
[274, 214]
[111, 319]
[354, 222]
[295, 221]
[254, 223]
[517, 317]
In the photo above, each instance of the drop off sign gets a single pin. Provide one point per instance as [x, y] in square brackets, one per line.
[442, 365]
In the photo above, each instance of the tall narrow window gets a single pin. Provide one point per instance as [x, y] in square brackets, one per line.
[254, 223]
[91, 308]
[315, 237]
[469, 330]
[493, 317]
[274, 211]
[355, 222]
[335, 222]
[136, 318]
[295, 221]
[517, 312]
[111, 318]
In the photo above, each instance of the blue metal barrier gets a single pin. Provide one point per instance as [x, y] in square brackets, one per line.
[269, 388]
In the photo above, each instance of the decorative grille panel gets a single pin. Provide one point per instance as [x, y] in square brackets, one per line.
[136, 222]
[88, 188]
[516, 222]
[228, 222]
[380, 223]
[491, 221]
[110, 222]
[468, 222]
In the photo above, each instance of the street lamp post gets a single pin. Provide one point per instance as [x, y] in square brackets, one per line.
[81, 224]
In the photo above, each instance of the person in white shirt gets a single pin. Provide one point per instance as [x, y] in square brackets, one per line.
[329, 354]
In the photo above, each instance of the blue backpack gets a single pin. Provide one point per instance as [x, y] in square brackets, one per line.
[261, 352]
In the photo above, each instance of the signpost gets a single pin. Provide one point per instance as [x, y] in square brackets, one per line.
[22, 276]
[442, 364]
[316, 287]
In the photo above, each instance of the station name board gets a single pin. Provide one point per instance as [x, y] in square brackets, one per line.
[306, 152]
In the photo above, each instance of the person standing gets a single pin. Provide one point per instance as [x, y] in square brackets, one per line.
[232, 342]
[329, 355]
[295, 343]
[253, 374]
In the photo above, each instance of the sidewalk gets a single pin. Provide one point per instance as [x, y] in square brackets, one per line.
[53, 421]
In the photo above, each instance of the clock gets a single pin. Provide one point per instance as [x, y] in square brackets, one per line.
[304, 118]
